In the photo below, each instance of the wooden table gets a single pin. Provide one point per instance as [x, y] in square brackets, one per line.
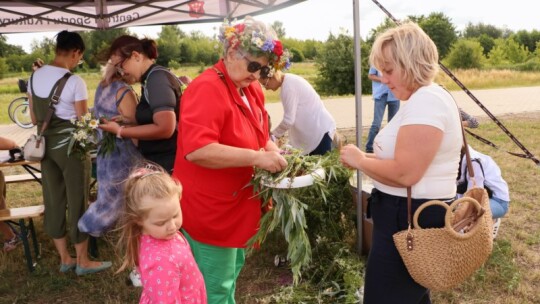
[23, 216]
[34, 174]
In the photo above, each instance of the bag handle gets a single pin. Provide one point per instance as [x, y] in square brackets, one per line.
[54, 101]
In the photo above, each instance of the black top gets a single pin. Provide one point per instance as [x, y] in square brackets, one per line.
[163, 94]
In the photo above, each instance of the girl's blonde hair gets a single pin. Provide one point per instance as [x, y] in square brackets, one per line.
[146, 180]
[410, 51]
[109, 74]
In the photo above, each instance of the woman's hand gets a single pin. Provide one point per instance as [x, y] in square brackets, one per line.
[270, 161]
[110, 126]
[351, 156]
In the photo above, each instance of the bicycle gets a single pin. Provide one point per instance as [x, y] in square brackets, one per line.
[19, 108]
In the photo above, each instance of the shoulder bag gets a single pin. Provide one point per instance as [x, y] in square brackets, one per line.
[34, 148]
[442, 258]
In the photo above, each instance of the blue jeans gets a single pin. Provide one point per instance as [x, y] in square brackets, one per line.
[380, 106]
[498, 207]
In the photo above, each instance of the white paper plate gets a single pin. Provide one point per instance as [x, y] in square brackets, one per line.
[299, 181]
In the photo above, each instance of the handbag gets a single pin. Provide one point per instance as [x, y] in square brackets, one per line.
[442, 258]
[34, 148]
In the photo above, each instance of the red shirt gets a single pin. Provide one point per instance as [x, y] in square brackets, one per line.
[218, 205]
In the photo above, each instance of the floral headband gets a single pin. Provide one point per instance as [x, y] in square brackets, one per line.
[253, 40]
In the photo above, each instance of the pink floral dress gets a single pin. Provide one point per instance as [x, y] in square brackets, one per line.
[169, 273]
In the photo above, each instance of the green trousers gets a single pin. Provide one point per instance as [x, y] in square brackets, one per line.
[220, 267]
[65, 183]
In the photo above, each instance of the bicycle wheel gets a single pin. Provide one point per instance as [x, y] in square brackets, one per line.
[14, 104]
[22, 117]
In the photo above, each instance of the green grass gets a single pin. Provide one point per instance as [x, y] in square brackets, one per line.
[511, 275]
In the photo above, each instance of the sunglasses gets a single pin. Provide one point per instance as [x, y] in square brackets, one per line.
[254, 66]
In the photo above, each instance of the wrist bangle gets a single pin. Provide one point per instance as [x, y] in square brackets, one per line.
[118, 133]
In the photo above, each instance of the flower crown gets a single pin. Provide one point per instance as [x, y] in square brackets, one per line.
[252, 39]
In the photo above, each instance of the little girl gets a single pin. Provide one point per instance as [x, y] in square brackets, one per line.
[151, 240]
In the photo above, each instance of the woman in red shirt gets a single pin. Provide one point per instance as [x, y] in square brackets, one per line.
[223, 134]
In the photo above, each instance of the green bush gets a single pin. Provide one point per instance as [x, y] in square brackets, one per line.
[465, 54]
[297, 55]
[335, 63]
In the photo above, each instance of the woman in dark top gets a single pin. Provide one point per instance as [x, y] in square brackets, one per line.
[157, 112]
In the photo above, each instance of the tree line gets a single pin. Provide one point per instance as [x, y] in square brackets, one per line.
[478, 46]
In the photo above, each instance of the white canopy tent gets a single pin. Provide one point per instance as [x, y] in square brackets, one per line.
[41, 16]
[46, 16]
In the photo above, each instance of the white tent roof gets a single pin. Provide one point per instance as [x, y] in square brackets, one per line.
[41, 16]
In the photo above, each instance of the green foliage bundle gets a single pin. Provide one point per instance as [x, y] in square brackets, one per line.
[317, 224]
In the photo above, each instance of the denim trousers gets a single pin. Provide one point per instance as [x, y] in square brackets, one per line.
[379, 108]
[498, 207]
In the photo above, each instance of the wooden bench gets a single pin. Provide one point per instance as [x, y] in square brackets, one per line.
[20, 178]
[21, 214]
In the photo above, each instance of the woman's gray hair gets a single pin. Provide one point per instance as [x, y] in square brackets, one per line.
[410, 51]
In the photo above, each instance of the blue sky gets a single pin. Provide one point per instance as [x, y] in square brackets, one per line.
[316, 19]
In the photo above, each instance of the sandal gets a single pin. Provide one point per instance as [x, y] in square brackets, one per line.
[11, 244]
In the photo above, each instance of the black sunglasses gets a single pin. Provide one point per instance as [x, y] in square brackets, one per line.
[254, 66]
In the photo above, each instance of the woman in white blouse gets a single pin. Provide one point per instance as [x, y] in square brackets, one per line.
[311, 127]
[418, 148]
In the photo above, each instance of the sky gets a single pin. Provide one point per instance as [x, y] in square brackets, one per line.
[316, 19]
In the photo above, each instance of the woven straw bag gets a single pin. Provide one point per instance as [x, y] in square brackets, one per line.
[441, 258]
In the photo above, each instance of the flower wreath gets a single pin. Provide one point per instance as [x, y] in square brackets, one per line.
[253, 40]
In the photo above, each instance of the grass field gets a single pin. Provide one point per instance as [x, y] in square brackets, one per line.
[474, 79]
[511, 275]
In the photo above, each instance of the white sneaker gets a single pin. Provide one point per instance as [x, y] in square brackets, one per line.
[496, 225]
[135, 278]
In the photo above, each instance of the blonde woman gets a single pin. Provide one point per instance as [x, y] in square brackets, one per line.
[114, 97]
[418, 148]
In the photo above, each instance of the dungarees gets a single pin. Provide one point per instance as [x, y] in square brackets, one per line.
[65, 180]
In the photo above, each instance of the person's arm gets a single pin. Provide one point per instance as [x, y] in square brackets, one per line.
[467, 120]
[374, 77]
[127, 105]
[271, 146]
[7, 144]
[81, 108]
[219, 156]
[416, 147]
[163, 126]
[290, 106]
[31, 108]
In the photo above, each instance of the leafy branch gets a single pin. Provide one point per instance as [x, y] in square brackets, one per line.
[288, 209]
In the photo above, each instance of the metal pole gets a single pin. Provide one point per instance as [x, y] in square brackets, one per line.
[358, 107]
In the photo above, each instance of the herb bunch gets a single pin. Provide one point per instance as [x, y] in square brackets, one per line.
[288, 209]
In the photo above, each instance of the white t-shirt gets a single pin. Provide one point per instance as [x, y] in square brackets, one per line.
[430, 105]
[304, 114]
[74, 90]
[491, 177]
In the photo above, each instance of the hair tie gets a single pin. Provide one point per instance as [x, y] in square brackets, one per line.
[145, 171]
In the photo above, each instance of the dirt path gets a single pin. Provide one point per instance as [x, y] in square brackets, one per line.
[497, 101]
